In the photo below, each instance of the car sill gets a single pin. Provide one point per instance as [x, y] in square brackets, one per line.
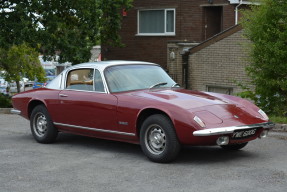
[229, 130]
[95, 129]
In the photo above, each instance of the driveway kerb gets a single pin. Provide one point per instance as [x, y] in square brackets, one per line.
[5, 110]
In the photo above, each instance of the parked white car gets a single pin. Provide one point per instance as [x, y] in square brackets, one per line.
[3, 85]
[25, 85]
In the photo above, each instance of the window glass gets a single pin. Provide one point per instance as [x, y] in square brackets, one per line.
[99, 86]
[156, 21]
[80, 79]
[170, 21]
[218, 89]
[151, 21]
[134, 77]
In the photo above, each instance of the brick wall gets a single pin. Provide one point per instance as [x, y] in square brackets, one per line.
[221, 64]
[175, 50]
[189, 27]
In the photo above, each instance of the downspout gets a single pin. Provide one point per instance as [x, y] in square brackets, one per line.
[236, 12]
[185, 67]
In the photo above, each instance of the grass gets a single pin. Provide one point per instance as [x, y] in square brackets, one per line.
[278, 119]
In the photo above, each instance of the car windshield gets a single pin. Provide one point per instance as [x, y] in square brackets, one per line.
[134, 77]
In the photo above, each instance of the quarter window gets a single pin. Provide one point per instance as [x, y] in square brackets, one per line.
[156, 22]
[99, 86]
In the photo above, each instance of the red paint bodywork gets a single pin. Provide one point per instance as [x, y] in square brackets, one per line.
[123, 112]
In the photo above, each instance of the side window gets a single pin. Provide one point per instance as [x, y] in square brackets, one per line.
[80, 79]
[99, 86]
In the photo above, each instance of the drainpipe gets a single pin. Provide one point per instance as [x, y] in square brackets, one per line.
[236, 12]
[185, 65]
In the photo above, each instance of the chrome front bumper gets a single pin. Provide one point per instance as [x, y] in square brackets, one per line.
[229, 130]
[15, 111]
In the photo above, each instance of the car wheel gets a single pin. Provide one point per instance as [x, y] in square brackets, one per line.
[158, 139]
[42, 127]
[234, 146]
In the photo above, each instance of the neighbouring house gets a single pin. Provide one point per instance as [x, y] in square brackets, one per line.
[164, 31]
[215, 65]
[150, 24]
[95, 54]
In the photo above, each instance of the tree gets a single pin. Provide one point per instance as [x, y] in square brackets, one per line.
[21, 61]
[266, 26]
[68, 27]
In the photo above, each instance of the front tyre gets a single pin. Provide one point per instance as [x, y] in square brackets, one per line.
[158, 139]
[234, 146]
[42, 127]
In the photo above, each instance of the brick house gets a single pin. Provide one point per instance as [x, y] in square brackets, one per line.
[151, 24]
[215, 65]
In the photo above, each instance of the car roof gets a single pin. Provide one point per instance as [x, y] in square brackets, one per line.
[104, 64]
[57, 83]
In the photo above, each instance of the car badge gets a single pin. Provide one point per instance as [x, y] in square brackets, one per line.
[235, 116]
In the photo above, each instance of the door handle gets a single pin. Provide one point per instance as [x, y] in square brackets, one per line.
[63, 95]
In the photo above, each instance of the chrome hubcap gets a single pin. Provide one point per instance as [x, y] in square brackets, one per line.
[40, 124]
[155, 139]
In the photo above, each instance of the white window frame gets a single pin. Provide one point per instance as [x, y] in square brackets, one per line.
[165, 27]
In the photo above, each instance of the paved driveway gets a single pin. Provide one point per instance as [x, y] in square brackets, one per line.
[76, 163]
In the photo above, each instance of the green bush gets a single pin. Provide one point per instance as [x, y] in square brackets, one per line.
[5, 101]
[266, 27]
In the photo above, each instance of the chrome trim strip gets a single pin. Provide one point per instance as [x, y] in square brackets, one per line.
[228, 130]
[15, 111]
[95, 129]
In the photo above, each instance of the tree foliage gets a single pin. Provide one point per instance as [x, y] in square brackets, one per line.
[266, 26]
[21, 61]
[68, 27]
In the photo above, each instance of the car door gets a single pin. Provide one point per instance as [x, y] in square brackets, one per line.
[84, 104]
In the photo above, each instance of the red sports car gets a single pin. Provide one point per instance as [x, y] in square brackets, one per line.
[138, 102]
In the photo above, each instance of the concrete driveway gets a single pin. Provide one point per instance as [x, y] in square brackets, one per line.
[77, 164]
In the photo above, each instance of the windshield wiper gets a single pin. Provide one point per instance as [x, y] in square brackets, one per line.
[158, 84]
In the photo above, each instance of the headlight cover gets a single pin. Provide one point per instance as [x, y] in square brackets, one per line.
[199, 121]
[263, 114]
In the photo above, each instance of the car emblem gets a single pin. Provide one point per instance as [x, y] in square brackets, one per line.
[235, 116]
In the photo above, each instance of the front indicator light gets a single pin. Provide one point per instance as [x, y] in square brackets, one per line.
[263, 134]
[223, 140]
[199, 121]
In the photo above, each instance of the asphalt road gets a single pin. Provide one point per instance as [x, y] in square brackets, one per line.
[76, 163]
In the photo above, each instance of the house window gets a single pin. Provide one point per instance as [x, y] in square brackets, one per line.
[156, 22]
[219, 89]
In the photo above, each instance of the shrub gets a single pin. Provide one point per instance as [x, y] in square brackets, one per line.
[266, 27]
[5, 101]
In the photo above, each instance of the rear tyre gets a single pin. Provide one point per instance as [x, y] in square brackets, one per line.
[158, 139]
[234, 146]
[42, 127]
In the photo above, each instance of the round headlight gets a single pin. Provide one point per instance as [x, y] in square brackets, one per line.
[223, 140]
[263, 134]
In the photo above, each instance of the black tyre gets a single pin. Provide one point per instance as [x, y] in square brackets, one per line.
[42, 127]
[234, 146]
[158, 139]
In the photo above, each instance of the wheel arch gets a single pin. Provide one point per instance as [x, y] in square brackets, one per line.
[32, 105]
[145, 114]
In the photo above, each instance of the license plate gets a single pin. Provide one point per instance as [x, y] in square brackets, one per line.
[242, 134]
